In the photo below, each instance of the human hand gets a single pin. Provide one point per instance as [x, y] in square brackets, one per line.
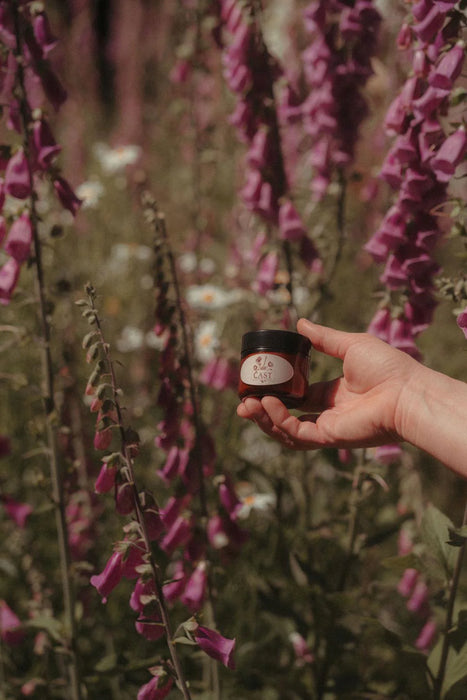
[363, 408]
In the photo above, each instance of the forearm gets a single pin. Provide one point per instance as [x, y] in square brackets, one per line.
[433, 416]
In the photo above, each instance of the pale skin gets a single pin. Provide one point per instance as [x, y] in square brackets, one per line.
[383, 396]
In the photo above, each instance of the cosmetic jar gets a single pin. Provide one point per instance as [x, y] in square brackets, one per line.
[274, 363]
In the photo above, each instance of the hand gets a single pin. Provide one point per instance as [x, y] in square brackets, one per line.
[363, 408]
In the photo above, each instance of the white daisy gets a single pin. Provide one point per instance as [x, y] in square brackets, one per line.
[90, 192]
[256, 501]
[114, 160]
[208, 296]
[206, 341]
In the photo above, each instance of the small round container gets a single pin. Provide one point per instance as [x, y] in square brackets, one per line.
[274, 363]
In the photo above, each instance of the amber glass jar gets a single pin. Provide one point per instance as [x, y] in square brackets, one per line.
[274, 363]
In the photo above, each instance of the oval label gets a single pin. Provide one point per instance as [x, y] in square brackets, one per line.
[263, 369]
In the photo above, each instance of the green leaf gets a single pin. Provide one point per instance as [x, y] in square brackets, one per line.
[51, 625]
[107, 663]
[456, 668]
[457, 536]
[88, 338]
[435, 529]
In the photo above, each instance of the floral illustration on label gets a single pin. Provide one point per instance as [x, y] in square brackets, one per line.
[263, 369]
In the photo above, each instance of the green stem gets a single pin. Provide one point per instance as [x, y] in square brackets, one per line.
[49, 398]
[453, 588]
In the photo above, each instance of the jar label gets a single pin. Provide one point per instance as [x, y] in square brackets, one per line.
[263, 369]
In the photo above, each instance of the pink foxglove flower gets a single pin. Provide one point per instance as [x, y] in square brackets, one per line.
[419, 599]
[19, 239]
[195, 588]
[215, 645]
[67, 197]
[9, 275]
[290, 224]
[17, 176]
[449, 155]
[43, 33]
[106, 479]
[157, 689]
[110, 577]
[427, 636]
[408, 581]
[177, 536]
[11, 631]
[45, 147]
[151, 627]
[18, 512]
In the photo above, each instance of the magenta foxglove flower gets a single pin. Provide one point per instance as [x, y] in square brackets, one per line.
[290, 224]
[151, 627]
[17, 176]
[66, 195]
[11, 630]
[449, 155]
[219, 373]
[195, 588]
[177, 536]
[462, 322]
[215, 645]
[142, 590]
[449, 67]
[418, 601]
[157, 689]
[43, 33]
[229, 498]
[427, 636]
[9, 274]
[175, 463]
[105, 481]
[174, 588]
[19, 239]
[407, 583]
[173, 508]
[102, 439]
[45, 146]
[18, 512]
[267, 272]
[302, 651]
[153, 523]
[124, 498]
[110, 577]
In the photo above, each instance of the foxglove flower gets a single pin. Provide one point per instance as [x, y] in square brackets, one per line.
[11, 629]
[215, 645]
[110, 577]
[19, 239]
[18, 512]
[18, 176]
[157, 688]
[427, 636]
[195, 588]
[9, 275]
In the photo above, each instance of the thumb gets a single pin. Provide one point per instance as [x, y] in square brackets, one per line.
[327, 340]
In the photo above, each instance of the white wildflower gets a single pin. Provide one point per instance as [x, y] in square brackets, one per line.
[131, 339]
[255, 501]
[208, 296]
[90, 192]
[187, 262]
[114, 160]
[206, 341]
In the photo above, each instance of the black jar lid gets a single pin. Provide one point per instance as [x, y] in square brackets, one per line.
[275, 341]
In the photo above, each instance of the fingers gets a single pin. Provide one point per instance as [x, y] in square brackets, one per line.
[327, 340]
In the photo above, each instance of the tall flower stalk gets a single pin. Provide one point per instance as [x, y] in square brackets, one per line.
[251, 73]
[27, 42]
[128, 498]
[419, 166]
